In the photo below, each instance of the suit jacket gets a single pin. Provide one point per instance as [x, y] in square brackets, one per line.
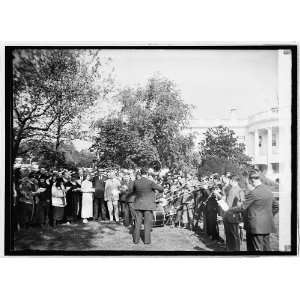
[145, 196]
[259, 208]
[99, 185]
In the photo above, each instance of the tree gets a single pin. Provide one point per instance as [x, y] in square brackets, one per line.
[158, 113]
[50, 89]
[44, 152]
[220, 152]
[85, 159]
[117, 145]
[31, 101]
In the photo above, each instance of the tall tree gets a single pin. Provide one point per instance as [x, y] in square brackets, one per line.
[158, 113]
[50, 89]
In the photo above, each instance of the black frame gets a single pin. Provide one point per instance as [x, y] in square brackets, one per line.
[9, 166]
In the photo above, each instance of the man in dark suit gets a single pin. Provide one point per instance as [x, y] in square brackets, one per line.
[100, 210]
[128, 198]
[259, 209]
[144, 205]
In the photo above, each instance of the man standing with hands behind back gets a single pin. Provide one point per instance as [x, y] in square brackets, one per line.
[144, 205]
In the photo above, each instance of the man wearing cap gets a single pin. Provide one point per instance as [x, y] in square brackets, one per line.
[259, 208]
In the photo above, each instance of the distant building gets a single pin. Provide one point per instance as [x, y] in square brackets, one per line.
[259, 133]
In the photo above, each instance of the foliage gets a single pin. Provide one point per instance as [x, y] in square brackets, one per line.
[220, 165]
[221, 152]
[158, 114]
[51, 88]
[85, 159]
[118, 145]
[65, 156]
[44, 151]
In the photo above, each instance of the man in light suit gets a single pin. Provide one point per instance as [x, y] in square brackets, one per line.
[144, 205]
[259, 209]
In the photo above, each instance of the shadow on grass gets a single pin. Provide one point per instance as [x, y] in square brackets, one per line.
[72, 237]
[208, 243]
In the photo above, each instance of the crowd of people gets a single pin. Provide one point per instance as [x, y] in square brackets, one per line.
[60, 197]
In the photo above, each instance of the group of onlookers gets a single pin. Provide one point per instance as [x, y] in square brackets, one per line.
[250, 209]
[239, 203]
[52, 197]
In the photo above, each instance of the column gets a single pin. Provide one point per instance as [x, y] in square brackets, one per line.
[269, 151]
[256, 148]
[285, 175]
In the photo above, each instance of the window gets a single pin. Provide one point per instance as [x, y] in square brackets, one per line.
[259, 141]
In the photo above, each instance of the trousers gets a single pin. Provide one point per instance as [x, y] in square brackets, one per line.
[148, 219]
[187, 215]
[42, 213]
[24, 211]
[113, 209]
[258, 242]
[232, 236]
[128, 213]
[100, 210]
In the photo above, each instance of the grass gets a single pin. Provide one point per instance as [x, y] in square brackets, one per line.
[106, 236]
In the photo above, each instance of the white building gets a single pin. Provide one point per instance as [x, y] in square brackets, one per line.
[267, 136]
[259, 133]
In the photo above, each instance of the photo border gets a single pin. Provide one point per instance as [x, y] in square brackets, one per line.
[8, 239]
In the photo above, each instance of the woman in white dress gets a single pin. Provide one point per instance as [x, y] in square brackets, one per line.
[87, 198]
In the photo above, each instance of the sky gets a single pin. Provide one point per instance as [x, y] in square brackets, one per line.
[212, 80]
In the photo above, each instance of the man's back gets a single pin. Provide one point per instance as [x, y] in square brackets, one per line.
[259, 211]
[145, 196]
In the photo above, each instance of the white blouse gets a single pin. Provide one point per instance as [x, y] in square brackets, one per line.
[87, 187]
[58, 197]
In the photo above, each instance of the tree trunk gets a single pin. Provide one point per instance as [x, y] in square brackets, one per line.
[15, 151]
[16, 144]
[57, 143]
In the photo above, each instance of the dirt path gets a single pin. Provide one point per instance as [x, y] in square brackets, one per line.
[106, 236]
